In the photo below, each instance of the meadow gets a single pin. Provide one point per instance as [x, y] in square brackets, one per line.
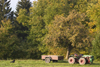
[40, 63]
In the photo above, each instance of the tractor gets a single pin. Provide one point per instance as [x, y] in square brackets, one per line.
[81, 59]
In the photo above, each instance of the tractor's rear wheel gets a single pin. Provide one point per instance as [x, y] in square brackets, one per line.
[71, 60]
[82, 61]
[47, 60]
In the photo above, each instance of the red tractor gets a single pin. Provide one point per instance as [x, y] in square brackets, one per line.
[81, 59]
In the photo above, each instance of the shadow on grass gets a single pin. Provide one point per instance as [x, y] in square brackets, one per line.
[95, 64]
[62, 61]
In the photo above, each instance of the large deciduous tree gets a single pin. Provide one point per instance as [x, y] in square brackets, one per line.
[67, 32]
[42, 14]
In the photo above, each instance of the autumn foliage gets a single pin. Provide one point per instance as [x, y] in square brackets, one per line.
[55, 27]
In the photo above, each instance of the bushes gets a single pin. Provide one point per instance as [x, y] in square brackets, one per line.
[96, 46]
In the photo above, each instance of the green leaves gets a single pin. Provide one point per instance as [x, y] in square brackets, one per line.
[96, 46]
[94, 14]
[7, 39]
[23, 17]
[67, 30]
[47, 27]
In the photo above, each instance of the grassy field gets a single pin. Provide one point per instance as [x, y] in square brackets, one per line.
[40, 63]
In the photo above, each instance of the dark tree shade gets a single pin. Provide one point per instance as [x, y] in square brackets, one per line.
[23, 4]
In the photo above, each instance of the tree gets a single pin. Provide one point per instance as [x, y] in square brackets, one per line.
[36, 28]
[11, 46]
[42, 14]
[67, 32]
[8, 40]
[22, 19]
[22, 29]
[23, 4]
[22, 26]
[4, 9]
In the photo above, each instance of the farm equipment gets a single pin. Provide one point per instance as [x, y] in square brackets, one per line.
[81, 59]
[49, 58]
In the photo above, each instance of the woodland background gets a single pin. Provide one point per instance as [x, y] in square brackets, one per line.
[55, 27]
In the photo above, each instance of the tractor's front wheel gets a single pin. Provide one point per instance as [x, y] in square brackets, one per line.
[82, 61]
[71, 60]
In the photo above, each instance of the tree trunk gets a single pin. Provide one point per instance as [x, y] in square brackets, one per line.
[68, 51]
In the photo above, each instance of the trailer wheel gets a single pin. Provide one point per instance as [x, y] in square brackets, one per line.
[71, 60]
[47, 60]
[82, 61]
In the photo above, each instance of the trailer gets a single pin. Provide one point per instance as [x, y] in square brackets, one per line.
[49, 58]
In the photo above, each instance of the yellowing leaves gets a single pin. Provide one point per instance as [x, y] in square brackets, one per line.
[91, 24]
[5, 28]
[71, 5]
[67, 29]
[54, 50]
[23, 17]
[94, 14]
[6, 25]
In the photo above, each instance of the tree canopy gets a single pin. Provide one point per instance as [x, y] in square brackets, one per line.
[57, 27]
[68, 31]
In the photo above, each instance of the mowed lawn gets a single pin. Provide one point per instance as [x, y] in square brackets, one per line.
[40, 63]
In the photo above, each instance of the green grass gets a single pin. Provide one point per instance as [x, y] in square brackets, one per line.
[40, 63]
